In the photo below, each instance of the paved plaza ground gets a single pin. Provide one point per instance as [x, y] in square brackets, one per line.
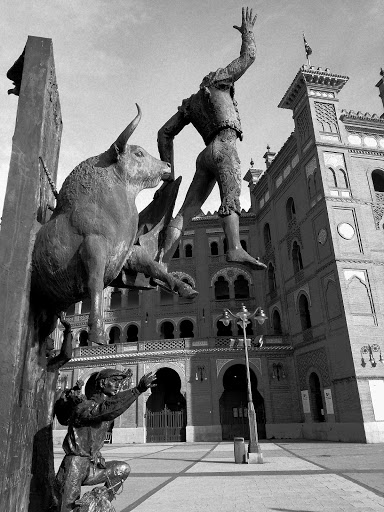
[295, 477]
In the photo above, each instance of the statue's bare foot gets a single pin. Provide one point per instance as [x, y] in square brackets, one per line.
[242, 257]
[185, 290]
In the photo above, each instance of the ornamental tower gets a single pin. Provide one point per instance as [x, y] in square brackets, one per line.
[313, 98]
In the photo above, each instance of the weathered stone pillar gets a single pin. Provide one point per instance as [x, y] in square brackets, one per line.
[27, 388]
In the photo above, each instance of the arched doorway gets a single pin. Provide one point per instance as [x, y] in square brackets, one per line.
[233, 404]
[316, 399]
[114, 335]
[166, 411]
[132, 333]
[83, 339]
[186, 329]
[167, 331]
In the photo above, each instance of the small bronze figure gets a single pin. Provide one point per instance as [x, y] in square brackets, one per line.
[213, 112]
[88, 421]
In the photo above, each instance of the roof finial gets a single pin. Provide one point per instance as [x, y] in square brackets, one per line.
[381, 71]
[308, 50]
[268, 156]
[252, 163]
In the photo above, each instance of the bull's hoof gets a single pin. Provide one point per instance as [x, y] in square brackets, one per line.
[242, 257]
[186, 291]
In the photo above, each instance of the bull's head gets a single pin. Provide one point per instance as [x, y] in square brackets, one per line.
[135, 165]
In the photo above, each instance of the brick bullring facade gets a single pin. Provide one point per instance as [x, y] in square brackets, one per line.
[316, 219]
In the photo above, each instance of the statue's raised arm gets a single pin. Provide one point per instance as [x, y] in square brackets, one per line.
[248, 47]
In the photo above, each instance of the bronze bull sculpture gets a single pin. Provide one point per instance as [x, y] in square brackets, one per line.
[92, 236]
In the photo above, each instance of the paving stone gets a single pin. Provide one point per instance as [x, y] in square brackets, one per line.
[196, 478]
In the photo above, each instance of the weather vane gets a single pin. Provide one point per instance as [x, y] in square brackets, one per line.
[308, 50]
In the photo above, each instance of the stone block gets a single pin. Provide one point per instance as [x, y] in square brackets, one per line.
[24, 410]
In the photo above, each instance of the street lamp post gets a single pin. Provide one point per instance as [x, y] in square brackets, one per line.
[242, 318]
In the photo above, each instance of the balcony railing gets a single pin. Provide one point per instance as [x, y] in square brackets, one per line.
[231, 342]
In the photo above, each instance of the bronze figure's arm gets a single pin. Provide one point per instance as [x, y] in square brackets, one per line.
[167, 133]
[66, 349]
[248, 47]
[113, 406]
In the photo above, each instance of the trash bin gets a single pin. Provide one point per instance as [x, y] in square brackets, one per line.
[239, 448]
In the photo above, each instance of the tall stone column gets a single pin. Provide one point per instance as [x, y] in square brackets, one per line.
[25, 415]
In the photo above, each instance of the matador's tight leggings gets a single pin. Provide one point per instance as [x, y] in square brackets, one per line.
[77, 471]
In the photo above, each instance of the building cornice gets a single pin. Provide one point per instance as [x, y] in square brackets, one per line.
[370, 152]
[367, 120]
[309, 75]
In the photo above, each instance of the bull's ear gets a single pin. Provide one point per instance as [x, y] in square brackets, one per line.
[122, 140]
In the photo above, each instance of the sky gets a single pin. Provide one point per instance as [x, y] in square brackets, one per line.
[111, 54]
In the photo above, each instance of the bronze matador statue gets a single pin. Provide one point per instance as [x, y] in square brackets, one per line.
[213, 112]
[88, 419]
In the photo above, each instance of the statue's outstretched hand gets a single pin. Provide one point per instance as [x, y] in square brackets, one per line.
[67, 325]
[247, 21]
[146, 382]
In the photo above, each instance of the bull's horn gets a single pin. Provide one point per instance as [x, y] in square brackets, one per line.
[122, 139]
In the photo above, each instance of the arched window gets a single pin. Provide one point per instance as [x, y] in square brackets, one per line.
[188, 251]
[186, 329]
[290, 209]
[167, 331]
[114, 335]
[83, 339]
[331, 178]
[71, 310]
[165, 297]
[341, 178]
[221, 289]
[276, 323]
[316, 400]
[132, 333]
[225, 245]
[223, 330]
[305, 317]
[86, 306]
[267, 235]
[378, 180]
[115, 299]
[241, 287]
[296, 258]
[176, 254]
[214, 249]
[271, 278]
[243, 244]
